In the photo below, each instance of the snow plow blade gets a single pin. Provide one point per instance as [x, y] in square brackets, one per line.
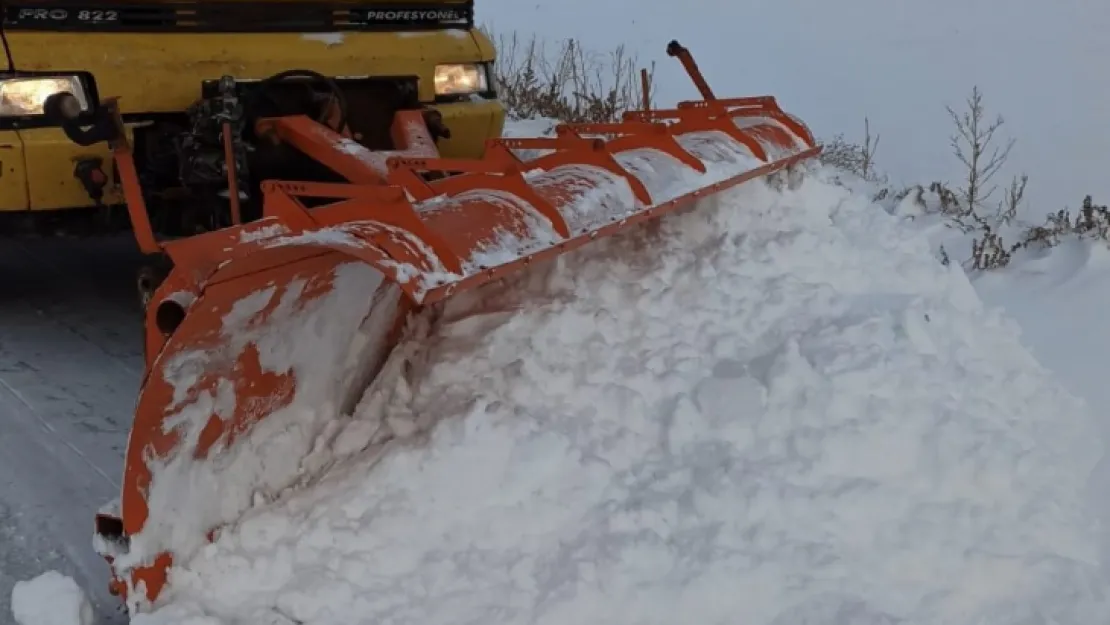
[224, 415]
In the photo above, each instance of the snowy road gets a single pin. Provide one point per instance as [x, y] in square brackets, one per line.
[70, 364]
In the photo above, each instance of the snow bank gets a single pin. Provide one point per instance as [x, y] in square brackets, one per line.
[777, 409]
[1059, 297]
[51, 599]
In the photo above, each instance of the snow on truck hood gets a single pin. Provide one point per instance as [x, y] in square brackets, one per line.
[775, 409]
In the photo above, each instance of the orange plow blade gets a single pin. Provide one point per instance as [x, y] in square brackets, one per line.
[265, 333]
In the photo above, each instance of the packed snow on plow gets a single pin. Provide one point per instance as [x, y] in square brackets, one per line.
[772, 409]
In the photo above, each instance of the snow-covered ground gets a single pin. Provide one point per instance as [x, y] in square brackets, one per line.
[775, 409]
[1061, 301]
[1057, 296]
[70, 364]
[778, 408]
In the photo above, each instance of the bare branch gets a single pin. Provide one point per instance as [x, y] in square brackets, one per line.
[571, 85]
[974, 146]
[858, 159]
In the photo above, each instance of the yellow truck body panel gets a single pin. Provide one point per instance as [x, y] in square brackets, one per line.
[157, 69]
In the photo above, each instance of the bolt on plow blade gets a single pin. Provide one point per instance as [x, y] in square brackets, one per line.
[262, 328]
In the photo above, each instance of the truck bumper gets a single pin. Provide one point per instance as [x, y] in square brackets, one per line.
[37, 171]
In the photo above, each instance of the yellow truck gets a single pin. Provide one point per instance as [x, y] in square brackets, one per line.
[170, 63]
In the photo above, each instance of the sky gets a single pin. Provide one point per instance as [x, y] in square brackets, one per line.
[897, 62]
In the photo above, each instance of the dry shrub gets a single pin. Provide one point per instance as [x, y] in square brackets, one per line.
[1091, 222]
[975, 147]
[972, 206]
[570, 84]
[855, 158]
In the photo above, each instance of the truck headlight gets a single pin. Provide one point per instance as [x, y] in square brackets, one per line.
[26, 95]
[462, 79]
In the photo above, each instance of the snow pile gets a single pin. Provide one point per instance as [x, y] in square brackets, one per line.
[51, 599]
[776, 409]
